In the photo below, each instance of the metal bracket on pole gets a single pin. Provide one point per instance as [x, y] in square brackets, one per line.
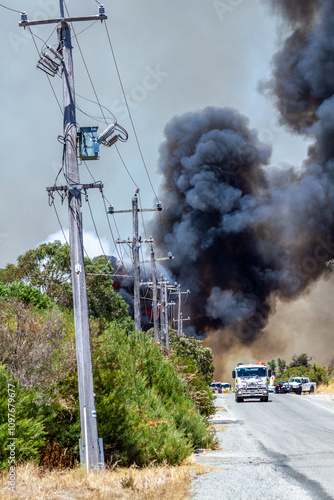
[75, 190]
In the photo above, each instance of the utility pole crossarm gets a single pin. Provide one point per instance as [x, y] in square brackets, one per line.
[62, 20]
[111, 210]
[147, 240]
[98, 185]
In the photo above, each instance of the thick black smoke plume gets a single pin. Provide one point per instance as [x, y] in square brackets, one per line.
[242, 232]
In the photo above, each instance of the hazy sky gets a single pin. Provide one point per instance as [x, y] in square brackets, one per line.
[173, 57]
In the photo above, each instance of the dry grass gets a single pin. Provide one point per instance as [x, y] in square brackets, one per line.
[221, 409]
[325, 389]
[169, 483]
[219, 428]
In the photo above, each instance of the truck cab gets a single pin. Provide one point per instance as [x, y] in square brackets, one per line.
[251, 381]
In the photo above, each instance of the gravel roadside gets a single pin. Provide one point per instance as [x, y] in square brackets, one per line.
[240, 468]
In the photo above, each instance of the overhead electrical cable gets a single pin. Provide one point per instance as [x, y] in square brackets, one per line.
[38, 52]
[42, 39]
[8, 8]
[92, 24]
[87, 70]
[111, 232]
[90, 173]
[95, 227]
[55, 95]
[124, 165]
[142, 215]
[60, 224]
[129, 112]
[94, 102]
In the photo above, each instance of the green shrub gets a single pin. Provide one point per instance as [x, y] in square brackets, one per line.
[26, 293]
[144, 413]
[319, 374]
[191, 348]
[30, 422]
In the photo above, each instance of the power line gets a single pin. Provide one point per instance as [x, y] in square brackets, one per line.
[42, 39]
[101, 108]
[111, 232]
[55, 95]
[142, 215]
[95, 227]
[90, 173]
[129, 112]
[60, 224]
[94, 102]
[38, 52]
[76, 36]
[86, 67]
[8, 8]
[124, 165]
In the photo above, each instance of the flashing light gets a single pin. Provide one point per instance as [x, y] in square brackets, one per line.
[261, 363]
[240, 364]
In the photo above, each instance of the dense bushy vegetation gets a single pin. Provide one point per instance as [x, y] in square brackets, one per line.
[301, 366]
[151, 406]
[195, 363]
[144, 411]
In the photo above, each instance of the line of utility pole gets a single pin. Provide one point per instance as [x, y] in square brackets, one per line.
[89, 435]
[154, 285]
[135, 242]
[165, 289]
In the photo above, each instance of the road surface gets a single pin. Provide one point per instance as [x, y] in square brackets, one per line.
[283, 450]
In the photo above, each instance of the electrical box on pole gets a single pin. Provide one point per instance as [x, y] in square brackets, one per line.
[88, 146]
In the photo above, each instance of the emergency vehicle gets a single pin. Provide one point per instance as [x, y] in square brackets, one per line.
[251, 381]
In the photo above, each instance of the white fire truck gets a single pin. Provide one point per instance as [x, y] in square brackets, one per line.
[251, 381]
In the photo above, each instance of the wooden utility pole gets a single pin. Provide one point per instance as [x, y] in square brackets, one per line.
[163, 312]
[89, 435]
[155, 297]
[90, 442]
[135, 246]
[154, 285]
[135, 260]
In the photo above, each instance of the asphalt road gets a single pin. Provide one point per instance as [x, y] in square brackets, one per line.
[283, 450]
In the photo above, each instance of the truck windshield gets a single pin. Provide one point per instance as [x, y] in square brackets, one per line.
[256, 371]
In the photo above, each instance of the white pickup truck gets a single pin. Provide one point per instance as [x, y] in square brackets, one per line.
[300, 384]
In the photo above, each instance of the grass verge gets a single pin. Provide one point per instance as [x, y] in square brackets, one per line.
[325, 389]
[149, 483]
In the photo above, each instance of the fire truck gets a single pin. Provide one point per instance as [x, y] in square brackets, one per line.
[251, 381]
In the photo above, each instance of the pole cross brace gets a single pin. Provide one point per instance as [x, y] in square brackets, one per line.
[75, 189]
[63, 20]
[147, 240]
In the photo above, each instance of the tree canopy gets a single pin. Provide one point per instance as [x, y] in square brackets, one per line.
[47, 269]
